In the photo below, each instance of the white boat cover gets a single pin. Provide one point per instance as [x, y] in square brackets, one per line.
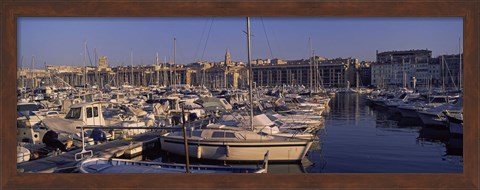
[61, 125]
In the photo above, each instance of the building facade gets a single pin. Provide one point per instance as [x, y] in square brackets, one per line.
[326, 72]
[397, 68]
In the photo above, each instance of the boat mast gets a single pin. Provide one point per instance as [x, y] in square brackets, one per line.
[314, 73]
[250, 74]
[32, 77]
[460, 70]
[97, 78]
[174, 64]
[85, 66]
[443, 74]
[21, 70]
[132, 81]
[310, 66]
[404, 75]
[165, 73]
[157, 69]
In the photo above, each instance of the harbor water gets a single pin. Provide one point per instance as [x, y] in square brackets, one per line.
[362, 139]
[358, 138]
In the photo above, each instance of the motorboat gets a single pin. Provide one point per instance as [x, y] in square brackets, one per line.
[114, 165]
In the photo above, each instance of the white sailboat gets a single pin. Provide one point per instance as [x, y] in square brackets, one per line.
[220, 142]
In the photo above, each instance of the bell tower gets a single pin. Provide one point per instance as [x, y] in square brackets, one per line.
[228, 60]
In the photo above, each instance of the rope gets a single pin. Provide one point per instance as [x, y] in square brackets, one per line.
[266, 36]
[208, 36]
[201, 38]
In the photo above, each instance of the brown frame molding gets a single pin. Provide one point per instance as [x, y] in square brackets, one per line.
[11, 9]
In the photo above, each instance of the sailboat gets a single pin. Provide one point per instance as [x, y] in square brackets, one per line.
[226, 143]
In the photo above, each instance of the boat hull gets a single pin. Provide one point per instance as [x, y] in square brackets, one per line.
[411, 113]
[289, 151]
[103, 165]
[431, 119]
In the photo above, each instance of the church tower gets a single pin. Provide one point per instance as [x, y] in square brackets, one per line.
[228, 60]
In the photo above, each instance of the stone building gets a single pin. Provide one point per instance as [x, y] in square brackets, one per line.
[326, 72]
[397, 68]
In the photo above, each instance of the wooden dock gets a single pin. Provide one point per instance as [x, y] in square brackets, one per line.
[65, 162]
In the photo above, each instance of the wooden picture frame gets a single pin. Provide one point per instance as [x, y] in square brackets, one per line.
[11, 10]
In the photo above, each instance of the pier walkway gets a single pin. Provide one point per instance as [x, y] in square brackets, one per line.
[66, 161]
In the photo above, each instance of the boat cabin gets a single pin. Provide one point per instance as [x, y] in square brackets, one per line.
[118, 97]
[90, 113]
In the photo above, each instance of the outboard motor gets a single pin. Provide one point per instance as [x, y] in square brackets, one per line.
[175, 120]
[51, 140]
[98, 135]
[192, 116]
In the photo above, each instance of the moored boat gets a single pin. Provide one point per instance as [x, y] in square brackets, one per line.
[113, 165]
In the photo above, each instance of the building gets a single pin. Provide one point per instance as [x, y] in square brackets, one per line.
[226, 74]
[397, 68]
[364, 74]
[337, 72]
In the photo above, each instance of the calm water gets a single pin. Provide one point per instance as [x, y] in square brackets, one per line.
[362, 139]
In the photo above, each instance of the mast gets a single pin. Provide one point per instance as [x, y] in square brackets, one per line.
[85, 66]
[443, 74]
[174, 63]
[21, 70]
[404, 75]
[314, 73]
[460, 70]
[32, 77]
[157, 68]
[132, 81]
[310, 66]
[165, 73]
[250, 75]
[97, 79]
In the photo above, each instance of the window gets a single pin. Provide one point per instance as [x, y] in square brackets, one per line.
[223, 135]
[196, 133]
[74, 113]
[89, 112]
[95, 111]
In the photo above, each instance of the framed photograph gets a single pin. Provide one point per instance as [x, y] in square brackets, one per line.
[345, 53]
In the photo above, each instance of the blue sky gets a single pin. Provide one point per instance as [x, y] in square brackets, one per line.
[60, 41]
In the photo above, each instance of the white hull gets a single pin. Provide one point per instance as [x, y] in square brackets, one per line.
[408, 112]
[238, 151]
[104, 165]
[431, 119]
[456, 128]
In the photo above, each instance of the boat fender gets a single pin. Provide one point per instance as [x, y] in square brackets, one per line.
[228, 150]
[199, 152]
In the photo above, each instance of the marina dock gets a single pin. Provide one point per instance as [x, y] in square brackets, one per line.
[65, 162]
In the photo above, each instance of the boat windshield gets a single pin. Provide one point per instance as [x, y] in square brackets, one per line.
[74, 113]
[28, 107]
[439, 100]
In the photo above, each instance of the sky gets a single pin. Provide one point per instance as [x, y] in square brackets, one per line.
[61, 41]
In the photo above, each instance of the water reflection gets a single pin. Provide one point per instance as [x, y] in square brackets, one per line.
[359, 135]
[392, 121]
